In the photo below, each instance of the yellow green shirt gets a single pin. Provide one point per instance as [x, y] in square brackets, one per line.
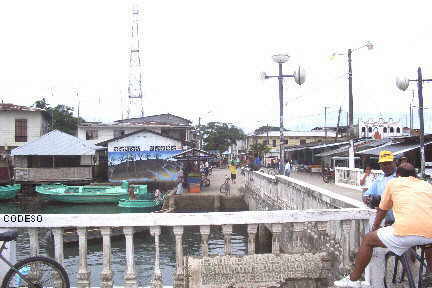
[232, 169]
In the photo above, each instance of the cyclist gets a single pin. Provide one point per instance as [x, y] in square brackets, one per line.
[233, 170]
[411, 201]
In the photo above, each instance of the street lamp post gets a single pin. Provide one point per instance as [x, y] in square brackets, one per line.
[403, 84]
[300, 77]
[370, 46]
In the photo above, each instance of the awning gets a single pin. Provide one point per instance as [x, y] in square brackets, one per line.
[396, 149]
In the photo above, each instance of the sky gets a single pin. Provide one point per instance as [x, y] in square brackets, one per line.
[202, 59]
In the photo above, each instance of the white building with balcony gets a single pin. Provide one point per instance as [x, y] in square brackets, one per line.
[379, 129]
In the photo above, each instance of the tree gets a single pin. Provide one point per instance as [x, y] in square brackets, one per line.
[62, 117]
[259, 149]
[219, 136]
[265, 129]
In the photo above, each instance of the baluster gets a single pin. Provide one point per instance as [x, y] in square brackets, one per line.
[276, 230]
[346, 228]
[178, 279]
[297, 237]
[157, 278]
[106, 274]
[205, 231]
[34, 241]
[58, 244]
[227, 230]
[130, 276]
[252, 230]
[83, 277]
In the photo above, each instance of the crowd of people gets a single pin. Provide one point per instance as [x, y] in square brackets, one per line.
[404, 210]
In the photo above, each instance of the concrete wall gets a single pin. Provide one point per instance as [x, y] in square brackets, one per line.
[37, 125]
[53, 174]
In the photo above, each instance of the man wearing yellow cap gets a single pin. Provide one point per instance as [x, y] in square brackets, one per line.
[387, 165]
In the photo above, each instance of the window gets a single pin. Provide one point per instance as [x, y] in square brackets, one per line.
[391, 130]
[285, 142]
[20, 130]
[118, 133]
[91, 134]
[265, 142]
[363, 129]
[397, 130]
[302, 141]
[385, 130]
[370, 129]
[274, 143]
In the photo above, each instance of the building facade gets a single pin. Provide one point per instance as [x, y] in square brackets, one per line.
[379, 129]
[164, 124]
[20, 125]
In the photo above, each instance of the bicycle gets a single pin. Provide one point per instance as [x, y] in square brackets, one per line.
[328, 175]
[225, 187]
[205, 181]
[395, 275]
[36, 272]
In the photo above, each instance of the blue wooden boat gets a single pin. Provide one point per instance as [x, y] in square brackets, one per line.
[88, 194]
[9, 191]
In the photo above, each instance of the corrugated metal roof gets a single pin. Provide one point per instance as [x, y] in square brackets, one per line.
[56, 143]
[13, 107]
[396, 149]
[298, 134]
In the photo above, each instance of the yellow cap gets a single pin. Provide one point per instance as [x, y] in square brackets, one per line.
[385, 156]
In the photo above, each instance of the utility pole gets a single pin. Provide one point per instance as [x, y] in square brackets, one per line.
[337, 127]
[420, 111]
[325, 124]
[199, 133]
[350, 94]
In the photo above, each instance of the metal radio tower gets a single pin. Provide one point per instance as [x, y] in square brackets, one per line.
[135, 104]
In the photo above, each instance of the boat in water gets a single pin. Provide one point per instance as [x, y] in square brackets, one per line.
[89, 194]
[9, 191]
[140, 205]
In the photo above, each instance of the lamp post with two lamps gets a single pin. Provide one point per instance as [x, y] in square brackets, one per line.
[299, 77]
[403, 84]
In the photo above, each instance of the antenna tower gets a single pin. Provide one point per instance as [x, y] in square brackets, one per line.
[135, 102]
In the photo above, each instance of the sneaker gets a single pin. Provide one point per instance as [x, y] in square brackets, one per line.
[346, 282]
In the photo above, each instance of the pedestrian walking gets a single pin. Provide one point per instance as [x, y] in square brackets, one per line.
[233, 170]
[287, 170]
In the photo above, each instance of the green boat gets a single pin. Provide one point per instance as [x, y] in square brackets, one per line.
[89, 194]
[9, 191]
[141, 205]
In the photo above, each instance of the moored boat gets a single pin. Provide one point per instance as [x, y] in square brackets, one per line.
[9, 191]
[141, 204]
[89, 194]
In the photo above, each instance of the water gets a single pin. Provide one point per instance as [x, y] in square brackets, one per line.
[143, 243]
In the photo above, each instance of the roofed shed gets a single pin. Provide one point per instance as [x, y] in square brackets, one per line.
[55, 157]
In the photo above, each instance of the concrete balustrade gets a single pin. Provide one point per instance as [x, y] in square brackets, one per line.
[276, 220]
[350, 177]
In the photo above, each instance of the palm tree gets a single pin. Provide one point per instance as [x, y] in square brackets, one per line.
[259, 149]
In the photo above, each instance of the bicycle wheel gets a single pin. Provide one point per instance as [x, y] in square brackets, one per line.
[223, 188]
[206, 182]
[326, 179]
[40, 271]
